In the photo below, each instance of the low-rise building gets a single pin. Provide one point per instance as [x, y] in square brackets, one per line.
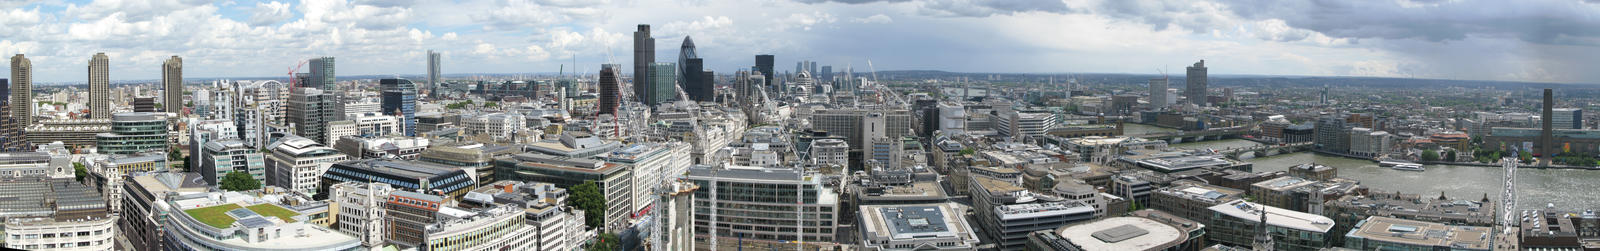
[1351, 209]
[1143, 230]
[1191, 200]
[1010, 224]
[144, 210]
[295, 163]
[1384, 233]
[369, 148]
[56, 214]
[219, 158]
[419, 177]
[77, 134]
[1236, 223]
[236, 221]
[479, 157]
[915, 227]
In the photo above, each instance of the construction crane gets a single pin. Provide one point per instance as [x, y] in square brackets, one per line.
[293, 81]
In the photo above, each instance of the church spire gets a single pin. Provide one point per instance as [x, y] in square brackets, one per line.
[1263, 240]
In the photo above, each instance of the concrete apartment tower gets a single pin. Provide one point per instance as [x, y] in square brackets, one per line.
[172, 83]
[22, 90]
[1158, 93]
[100, 86]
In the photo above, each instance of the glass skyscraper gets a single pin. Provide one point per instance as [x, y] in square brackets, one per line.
[662, 84]
[400, 98]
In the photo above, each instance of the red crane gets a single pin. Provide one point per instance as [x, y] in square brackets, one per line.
[293, 81]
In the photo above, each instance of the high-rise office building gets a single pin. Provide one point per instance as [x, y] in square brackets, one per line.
[11, 138]
[644, 54]
[433, 71]
[662, 89]
[400, 99]
[22, 90]
[1568, 118]
[1158, 92]
[1195, 88]
[610, 93]
[310, 110]
[323, 77]
[322, 73]
[172, 83]
[691, 73]
[826, 76]
[100, 86]
[764, 65]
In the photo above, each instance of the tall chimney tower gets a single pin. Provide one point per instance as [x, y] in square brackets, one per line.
[1547, 136]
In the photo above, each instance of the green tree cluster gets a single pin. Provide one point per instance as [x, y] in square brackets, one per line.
[1430, 155]
[587, 197]
[79, 172]
[239, 181]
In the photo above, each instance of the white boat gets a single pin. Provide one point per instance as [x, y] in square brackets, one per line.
[1408, 167]
[1392, 163]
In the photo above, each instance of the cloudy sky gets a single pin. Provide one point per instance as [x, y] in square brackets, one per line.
[1527, 40]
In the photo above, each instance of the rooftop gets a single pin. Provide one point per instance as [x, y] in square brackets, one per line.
[410, 169]
[919, 221]
[1421, 233]
[1251, 212]
[1123, 233]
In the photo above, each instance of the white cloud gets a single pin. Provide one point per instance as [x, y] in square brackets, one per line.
[270, 13]
[874, 19]
[387, 36]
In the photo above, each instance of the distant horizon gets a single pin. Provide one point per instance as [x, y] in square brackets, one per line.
[1541, 41]
[547, 74]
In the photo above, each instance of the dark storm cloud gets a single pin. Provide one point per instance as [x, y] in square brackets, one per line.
[1544, 22]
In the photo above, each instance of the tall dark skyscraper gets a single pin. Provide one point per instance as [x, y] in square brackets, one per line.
[764, 65]
[1547, 144]
[1195, 88]
[400, 98]
[11, 138]
[696, 85]
[610, 93]
[322, 74]
[433, 71]
[644, 53]
[692, 76]
[172, 84]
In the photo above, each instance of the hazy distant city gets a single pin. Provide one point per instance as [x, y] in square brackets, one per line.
[908, 125]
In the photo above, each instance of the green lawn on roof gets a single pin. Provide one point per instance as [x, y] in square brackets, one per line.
[274, 211]
[215, 216]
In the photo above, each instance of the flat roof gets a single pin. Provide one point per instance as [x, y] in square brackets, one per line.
[1123, 233]
[1251, 212]
[1422, 233]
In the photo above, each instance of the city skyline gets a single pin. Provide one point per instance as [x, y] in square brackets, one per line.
[264, 39]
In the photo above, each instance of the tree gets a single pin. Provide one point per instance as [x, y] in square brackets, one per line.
[490, 105]
[79, 171]
[606, 242]
[1430, 155]
[1525, 156]
[587, 197]
[174, 154]
[239, 181]
[968, 151]
[1450, 155]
